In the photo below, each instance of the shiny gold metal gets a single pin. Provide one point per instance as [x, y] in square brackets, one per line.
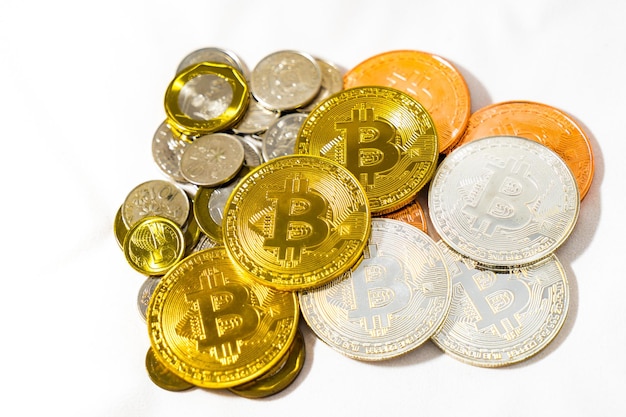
[163, 377]
[215, 328]
[119, 228]
[383, 136]
[430, 79]
[296, 222]
[279, 377]
[153, 245]
[206, 98]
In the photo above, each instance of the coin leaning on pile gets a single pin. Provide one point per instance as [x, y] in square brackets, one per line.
[292, 189]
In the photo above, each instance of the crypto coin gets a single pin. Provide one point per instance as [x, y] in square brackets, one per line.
[286, 80]
[212, 159]
[153, 245]
[391, 303]
[542, 123]
[280, 137]
[257, 119]
[429, 78]
[167, 150]
[279, 377]
[156, 198]
[503, 200]
[206, 98]
[162, 377]
[382, 135]
[296, 221]
[332, 82]
[213, 54]
[412, 214]
[191, 232]
[214, 327]
[498, 317]
[145, 293]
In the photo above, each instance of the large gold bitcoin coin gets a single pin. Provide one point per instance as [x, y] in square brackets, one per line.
[215, 328]
[296, 222]
[383, 136]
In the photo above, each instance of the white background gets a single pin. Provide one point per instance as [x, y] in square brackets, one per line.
[82, 87]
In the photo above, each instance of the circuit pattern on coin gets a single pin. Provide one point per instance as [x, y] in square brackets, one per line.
[296, 221]
[391, 303]
[498, 317]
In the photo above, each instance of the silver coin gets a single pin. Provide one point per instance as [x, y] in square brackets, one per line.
[286, 80]
[213, 159]
[280, 139]
[205, 97]
[252, 151]
[503, 201]
[256, 119]
[332, 82]
[145, 293]
[218, 55]
[498, 317]
[156, 198]
[205, 242]
[391, 303]
[167, 151]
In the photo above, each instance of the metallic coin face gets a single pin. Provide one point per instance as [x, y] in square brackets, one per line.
[252, 151]
[206, 98]
[119, 228]
[145, 294]
[383, 136]
[279, 377]
[542, 123]
[212, 159]
[213, 54]
[280, 137]
[286, 80]
[412, 214]
[332, 82]
[503, 200]
[163, 377]
[499, 317]
[430, 79]
[205, 242]
[156, 198]
[167, 150]
[214, 327]
[389, 304]
[257, 119]
[296, 222]
[153, 245]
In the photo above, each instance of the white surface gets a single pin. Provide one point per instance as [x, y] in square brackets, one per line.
[82, 95]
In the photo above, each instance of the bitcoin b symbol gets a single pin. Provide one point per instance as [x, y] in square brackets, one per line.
[503, 202]
[297, 221]
[369, 149]
[378, 293]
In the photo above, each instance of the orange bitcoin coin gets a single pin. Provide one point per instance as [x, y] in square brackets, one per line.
[412, 214]
[541, 123]
[429, 79]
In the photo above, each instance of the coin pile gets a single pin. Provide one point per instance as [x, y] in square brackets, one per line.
[292, 190]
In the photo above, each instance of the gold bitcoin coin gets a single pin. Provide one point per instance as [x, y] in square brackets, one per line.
[205, 98]
[279, 377]
[383, 136]
[163, 377]
[154, 245]
[430, 79]
[296, 221]
[215, 328]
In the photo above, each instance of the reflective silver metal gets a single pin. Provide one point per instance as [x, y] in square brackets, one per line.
[502, 316]
[156, 198]
[332, 82]
[213, 159]
[391, 303]
[280, 138]
[253, 155]
[219, 55]
[256, 118]
[145, 293]
[167, 151]
[503, 201]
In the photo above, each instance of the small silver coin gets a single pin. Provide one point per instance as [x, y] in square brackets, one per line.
[205, 242]
[213, 159]
[503, 200]
[280, 139]
[219, 55]
[286, 80]
[145, 293]
[156, 198]
[253, 156]
[167, 151]
[256, 119]
[332, 82]
[393, 301]
[501, 316]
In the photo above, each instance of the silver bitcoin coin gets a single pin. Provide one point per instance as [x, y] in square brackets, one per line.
[391, 303]
[213, 54]
[145, 293]
[256, 119]
[498, 317]
[280, 139]
[286, 80]
[167, 151]
[503, 201]
[332, 82]
[156, 198]
[213, 159]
